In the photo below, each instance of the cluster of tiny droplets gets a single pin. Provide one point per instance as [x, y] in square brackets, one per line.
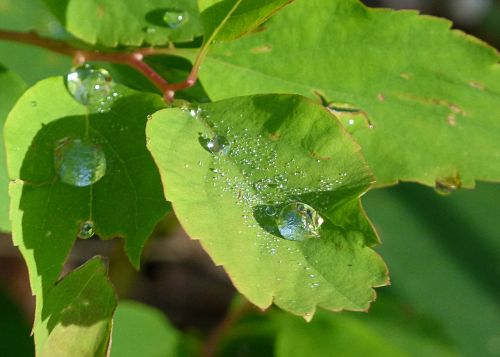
[106, 102]
[262, 180]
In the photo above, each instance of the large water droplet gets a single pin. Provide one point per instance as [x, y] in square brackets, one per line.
[90, 85]
[175, 18]
[299, 221]
[218, 144]
[79, 163]
[87, 230]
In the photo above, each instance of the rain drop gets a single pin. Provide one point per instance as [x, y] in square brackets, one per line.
[216, 145]
[447, 186]
[270, 210]
[90, 85]
[298, 221]
[79, 163]
[87, 230]
[175, 18]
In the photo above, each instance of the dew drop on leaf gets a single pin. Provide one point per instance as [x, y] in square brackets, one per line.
[271, 210]
[79, 163]
[447, 186]
[298, 221]
[218, 144]
[90, 85]
[87, 230]
[175, 18]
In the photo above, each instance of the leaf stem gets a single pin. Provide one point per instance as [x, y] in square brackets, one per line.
[211, 345]
[134, 59]
[193, 75]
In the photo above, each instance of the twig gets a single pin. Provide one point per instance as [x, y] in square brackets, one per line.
[212, 343]
[134, 59]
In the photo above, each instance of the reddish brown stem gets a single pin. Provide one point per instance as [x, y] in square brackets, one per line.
[134, 59]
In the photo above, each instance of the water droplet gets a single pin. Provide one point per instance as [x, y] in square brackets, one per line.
[149, 30]
[271, 210]
[87, 230]
[90, 85]
[149, 117]
[216, 145]
[175, 18]
[79, 163]
[445, 187]
[299, 221]
[33, 103]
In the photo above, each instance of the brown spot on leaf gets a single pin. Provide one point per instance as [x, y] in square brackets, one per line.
[452, 120]
[476, 85]
[381, 97]
[406, 76]
[100, 11]
[274, 136]
[315, 155]
[261, 49]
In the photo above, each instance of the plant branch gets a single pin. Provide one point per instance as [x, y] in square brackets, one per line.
[212, 343]
[134, 59]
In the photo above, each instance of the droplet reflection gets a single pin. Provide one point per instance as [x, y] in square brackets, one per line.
[298, 221]
[79, 163]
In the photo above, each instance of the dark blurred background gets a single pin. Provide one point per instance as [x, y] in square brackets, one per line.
[443, 252]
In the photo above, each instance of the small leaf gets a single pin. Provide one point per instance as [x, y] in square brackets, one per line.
[11, 88]
[430, 94]
[140, 330]
[76, 316]
[128, 22]
[230, 170]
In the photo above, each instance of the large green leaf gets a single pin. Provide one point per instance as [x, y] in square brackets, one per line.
[11, 88]
[431, 94]
[127, 22]
[76, 317]
[224, 20]
[450, 254]
[283, 149]
[389, 333]
[140, 330]
[46, 213]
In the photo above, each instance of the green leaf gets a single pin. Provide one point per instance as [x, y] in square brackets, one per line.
[450, 254]
[11, 88]
[225, 20]
[431, 94]
[390, 329]
[391, 334]
[127, 22]
[46, 213]
[283, 149]
[140, 330]
[76, 317]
